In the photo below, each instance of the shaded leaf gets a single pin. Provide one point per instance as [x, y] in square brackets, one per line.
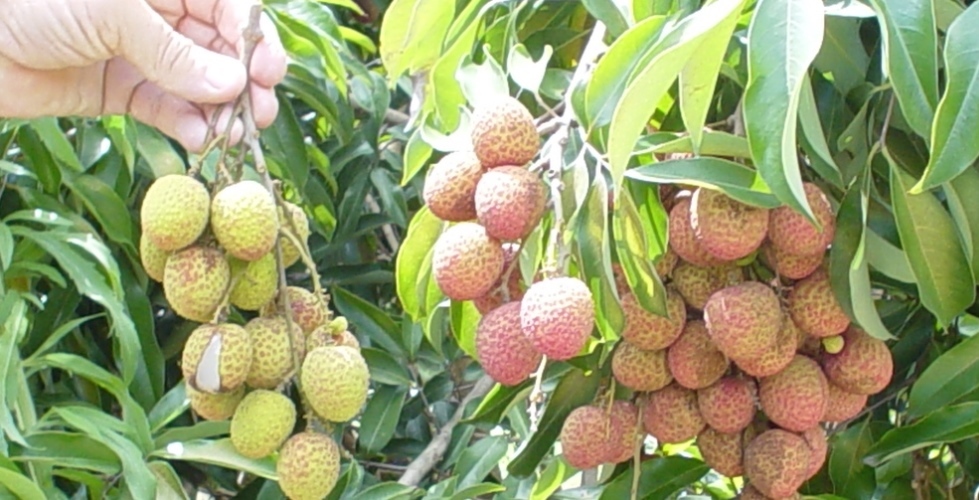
[218, 452]
[947, 380]
[659, 478]
[380, 417]
[946, 425]
[479, 459]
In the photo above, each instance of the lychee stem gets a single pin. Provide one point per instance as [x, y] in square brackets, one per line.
[505, 280]
[304, 252]
[536, 396]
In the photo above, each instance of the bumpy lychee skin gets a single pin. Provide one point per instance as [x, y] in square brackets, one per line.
[335, 380]
[778, 357]
[503, 133]
[256, 284]
[583, 439]
[744, 319]
[683, 240]
[272, 352]
[622, 431]
[666, 263]
[216, 358]
[724, 227]
[814, 307]
[219, 406]
[728, 406]
[510, 202]
[308, 310]
[696, 284]
[792, 233]
[816, 439]
[795, 398]
[308, 466]
[671, 415]
[296, 220]
[450, 187]
[515, 289]
[194, 282]
[650, 331]
[791, 266]
[864, 366]
[776, 462]
[466, 261]
[505, 353]
[640, 370]
[751, 493]
[558, 315]
[261, 423]
[694, 361]
[174, 212]
[153, 259]
[244, 220]
[722, 452]
[842, 405]
[323, 336]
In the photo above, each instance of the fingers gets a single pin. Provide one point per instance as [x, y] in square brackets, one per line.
[269, 61]
[265, 106]
[178, 118]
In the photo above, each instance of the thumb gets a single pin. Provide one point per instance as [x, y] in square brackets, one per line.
[174, 62]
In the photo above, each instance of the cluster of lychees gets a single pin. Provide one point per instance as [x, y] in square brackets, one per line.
[749, 367]
[212, 253]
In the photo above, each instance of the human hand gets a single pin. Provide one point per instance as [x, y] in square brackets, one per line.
[168, 63]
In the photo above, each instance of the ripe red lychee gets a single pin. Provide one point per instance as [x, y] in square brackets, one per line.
[683, 241]
[789, 265]
[494, 298]
[583, 437]
[466, 261]
[726, 228]
[503, 133]
[694, 360]
[728, 406]
[671, 415]
[510, 202]
[816, 439]
[842, 405]
[744, 319]
[696, 284]
[622, 431]
[778, 357]
[792, 232]
[650, 331]
[450, 187]
[722, 452]
[558, 315]
[776, 462]
[640, 370]
[814, 307]
[795, 398]
[864, 366]
[504, 352]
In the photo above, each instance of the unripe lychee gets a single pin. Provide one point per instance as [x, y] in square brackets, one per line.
[842, 405]
[774, 360]
[308, 309]
[864, 366]
[194, 282]
[450, 187]
[671, 415]
[744, 319]
[795, 398]
[219, 406]
[683, 241]
[558, 315]
[335, 380]
[776, 462]
[153, 259]
[257, 282]
[466, 261]
[640, 370]
[503, 133]
[584, 443]
[505, 353]
[816, 439]
[694, 361]
[244, 220]
[624, 418]
[791, 266]
[510, 202]
[729, 405]
[792, 232]
[297, 219]
[261, 423]
[666, 263]
[722, 452]
[494, 298]
[323, 336]
[834, 344]
[814, 307]
[308, 466]
[696, 284]
[272, 351]
[174, 212]
[648, 330]
[216, 358]
[724, 227]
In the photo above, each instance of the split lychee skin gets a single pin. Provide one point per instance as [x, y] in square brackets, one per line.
[814, 307]
[696, 284]
[648, 330]
[795, 398]
[671, 415]
[583, 438]
[683, 240]
[557, 315]
[789, 265]
[725, 228]
[640, 370]
[450, 187]
[624, 418]
[791, 232]
[515, 289]
[864, 366]
[694, 361]
[728, 405]
[816, 439]
[842, 405]
[744, 319]
[776, 462]
[503, 133]
[778, 357]
[506, 355]
[510, 202]
[466, 261]
[722, 452]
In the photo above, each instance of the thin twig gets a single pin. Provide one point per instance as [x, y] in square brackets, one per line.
[536, 396]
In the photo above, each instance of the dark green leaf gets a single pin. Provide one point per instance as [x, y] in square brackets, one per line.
[948, 379]
[380, 417]
[959, 195]
[106, 206]
[48, 447]
[851, 477]
[479, 459]
[367, 318]
[946, 425]
[56, 142]
[659, 478]
[477, 491]
[815, 139]
[385, 369]
[285, 141]
[842, 54]
[389, 491]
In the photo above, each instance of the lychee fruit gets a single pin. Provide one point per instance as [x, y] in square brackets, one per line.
[842, 405]
[751, 493]
[510, 202]
[466, 261]
[683, 240]
[864, 366]
[648, 330]
[174, 212]
[729, 405]
[308, 309]
[494, 298]
[722, 452]
[744, 319]
[220, 406]
[584, 442]
[244, 220]
[503, 350]
[776, 462]
[272, 350]
[324, 336]
[795, 398]
[789, 265]
[814, 307]
[624, 419]
[724, 227]
[791, 232]
[694, 361]
[450, 187]
[503, 133]
[257, 282]
[816, 439]
[778, 357]
[335, 380]
[216, 358]
[640, 370]
[696, 284]
[194, 282]
[296, 220]
[153, 259]
[308, 466]
[558, 315]
[665, 264]
[671, 415]
[261, 423]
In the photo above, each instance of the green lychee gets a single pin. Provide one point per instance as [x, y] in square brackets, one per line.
[683, 240]
[272, 349]
[309, 311]
[244, 220]
[504, 352]
[510, 202]
[503, 133]
[791, 232]
[450, 187]
[648, 330]
[671, 415]
[174, 212]
[153, 259]
[795, 398]
[296, 220]
[694, 361]
[219, 406]
[640, 370]
[776, 462]
[743, 320]
[834, 344]
[194, 282]
[864, 366]
[308, 466]
[726, 228]
[323, 336]
[217, 358]
[814, 307]
[558, 315]
[466, 261]
[257, 282]
[335, 380]
[261, 423]
[728, 405]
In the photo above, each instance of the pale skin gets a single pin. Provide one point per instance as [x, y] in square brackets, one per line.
[168, 63]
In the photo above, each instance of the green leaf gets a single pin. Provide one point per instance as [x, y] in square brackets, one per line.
[173, 404]
[887, 258]
[156, 152]
[20, 485]
[218, 452]
[953, 145]
[524, 70]
[659, 478]
[814, 137]
[465, 318]
[62, 330]
[168, 483]
[414, 42]
[946, 425]
[477, 491]
[285, 142]
[389, 491]
[947, 380]
[591, 243]
[423, 230]
[417, 154]
[910, 58]
[371, 320]
[931, 243]
[555, 474]
[445, 89]
[494, 405]
[633, 251]
[713, 143]
[610, 12]
[204, 429]
[107, 207]
[842, 53]
[56, 142]
[482, 82]
[959, 194]
[385, 369]
[850, 476]
[47, 447]
[479, 459]
[380, 417]
[783, 39]
[733, 179]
